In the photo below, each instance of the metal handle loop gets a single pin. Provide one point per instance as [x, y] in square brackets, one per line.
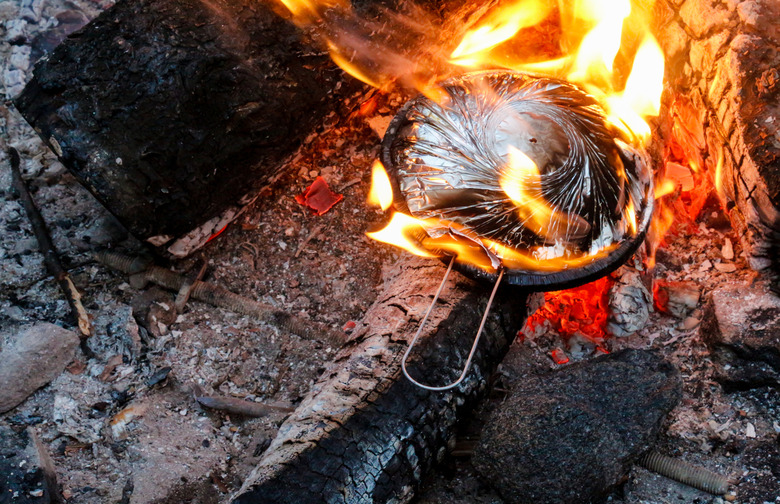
[473, 346]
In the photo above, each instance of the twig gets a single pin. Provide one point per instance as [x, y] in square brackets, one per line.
[47, 468]
[223, 298]
[305, 242]
[185, 291]
[236, 406]
[50, 257]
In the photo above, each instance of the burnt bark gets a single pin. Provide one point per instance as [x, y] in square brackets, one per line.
[169, 111]
[723, 56]
[365, 434]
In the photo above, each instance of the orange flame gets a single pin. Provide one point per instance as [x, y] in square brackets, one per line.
[523, 184]
[405, 232]
[594, 27]
[439, 238]
[381, 192]
[502, 25]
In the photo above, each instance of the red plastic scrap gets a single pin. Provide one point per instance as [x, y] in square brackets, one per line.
[318, 197]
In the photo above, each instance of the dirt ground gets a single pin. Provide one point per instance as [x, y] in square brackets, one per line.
[323, 268]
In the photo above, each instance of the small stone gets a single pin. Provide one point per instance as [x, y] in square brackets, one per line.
[725, 267]
[727, 251]
[690, 323]
[629, 304]
[741, 324]
[31, 359]
[750, 430]
[705, 266]
[20, 57]
[37, 493]
[676, 298]
[379, 124]
[14, 81]
[15, 30]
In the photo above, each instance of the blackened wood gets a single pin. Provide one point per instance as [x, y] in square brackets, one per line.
[50, 257]
[366, 434]
[726, 61]
[170, 110]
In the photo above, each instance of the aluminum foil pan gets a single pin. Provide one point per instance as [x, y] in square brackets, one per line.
[586, 199]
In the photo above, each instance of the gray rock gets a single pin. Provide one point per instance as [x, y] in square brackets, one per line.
[31, 359]
[571, 434]
[741, 325]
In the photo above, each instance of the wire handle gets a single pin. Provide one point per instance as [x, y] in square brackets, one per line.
[473, 346]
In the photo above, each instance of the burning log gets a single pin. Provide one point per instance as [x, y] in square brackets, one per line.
[180, 109]
[184, 109]
[365, 433]
[724, 59]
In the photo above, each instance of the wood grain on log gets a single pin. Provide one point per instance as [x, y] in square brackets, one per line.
[367, 434]
[724, 56]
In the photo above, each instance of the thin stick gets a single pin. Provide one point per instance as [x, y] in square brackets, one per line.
[50, 257]
[46, 465]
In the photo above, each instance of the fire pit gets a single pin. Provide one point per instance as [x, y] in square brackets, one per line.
[123, 425]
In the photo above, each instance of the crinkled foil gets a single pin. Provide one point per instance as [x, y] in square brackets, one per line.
[448, 160]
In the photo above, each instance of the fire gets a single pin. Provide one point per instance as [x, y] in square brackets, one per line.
[381, 193]
[439, 238]
[596, 55]
[502, 25]
[592, 65]
[626, 81]
[405, 232]
[522, 183]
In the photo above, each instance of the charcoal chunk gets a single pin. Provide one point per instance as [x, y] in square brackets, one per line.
[571, 434]
[171, 111]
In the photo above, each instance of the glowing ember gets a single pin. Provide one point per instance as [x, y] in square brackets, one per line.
[559, 356]
[579, 311]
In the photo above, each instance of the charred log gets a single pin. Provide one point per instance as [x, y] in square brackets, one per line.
[170, 111]
[724, 57]
[367, 434]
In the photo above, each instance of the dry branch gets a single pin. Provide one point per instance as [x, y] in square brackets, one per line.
[50, 257]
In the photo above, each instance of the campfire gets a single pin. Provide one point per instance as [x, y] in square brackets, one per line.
[339, 202]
